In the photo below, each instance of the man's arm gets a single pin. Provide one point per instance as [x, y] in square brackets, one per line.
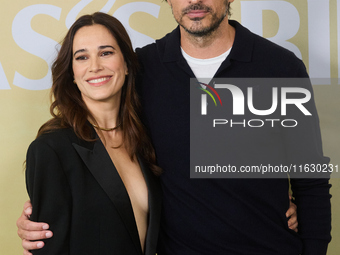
[311, 189]
[30, 231]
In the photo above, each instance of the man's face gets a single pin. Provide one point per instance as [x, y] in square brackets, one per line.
[199, 17]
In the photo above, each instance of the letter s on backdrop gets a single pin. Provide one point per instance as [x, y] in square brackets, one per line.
[34, 43]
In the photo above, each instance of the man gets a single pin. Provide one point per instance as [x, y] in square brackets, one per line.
[222, 216]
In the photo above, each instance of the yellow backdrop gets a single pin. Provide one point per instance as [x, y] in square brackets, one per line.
[31, 29]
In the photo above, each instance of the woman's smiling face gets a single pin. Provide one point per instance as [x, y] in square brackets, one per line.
[98, 64]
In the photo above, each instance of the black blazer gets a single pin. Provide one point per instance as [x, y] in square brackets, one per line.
[75, 188]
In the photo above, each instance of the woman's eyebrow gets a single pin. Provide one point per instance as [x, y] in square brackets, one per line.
[105, 46]
[78, 51]
[100, 48]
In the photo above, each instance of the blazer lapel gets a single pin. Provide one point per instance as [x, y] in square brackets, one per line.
[100, 164]
[155, 205]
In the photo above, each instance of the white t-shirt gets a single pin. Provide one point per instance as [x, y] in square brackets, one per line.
[205, 69]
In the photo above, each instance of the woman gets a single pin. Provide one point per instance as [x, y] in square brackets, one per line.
[91, 172]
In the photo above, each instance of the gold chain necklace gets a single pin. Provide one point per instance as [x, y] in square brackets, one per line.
[105, 129]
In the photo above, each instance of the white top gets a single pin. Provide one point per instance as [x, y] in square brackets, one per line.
[205, 69]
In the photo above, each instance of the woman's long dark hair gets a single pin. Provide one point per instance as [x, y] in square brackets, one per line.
[69, 110]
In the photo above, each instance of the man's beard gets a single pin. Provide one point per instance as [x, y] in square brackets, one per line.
[197, 30]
